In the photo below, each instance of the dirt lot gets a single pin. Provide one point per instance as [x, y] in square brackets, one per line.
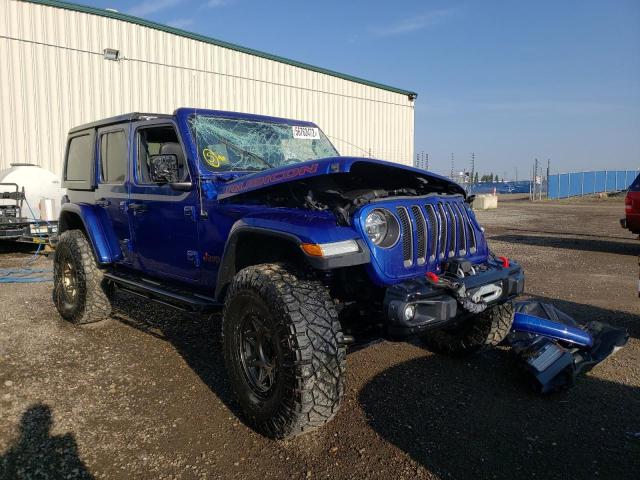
[144, 395]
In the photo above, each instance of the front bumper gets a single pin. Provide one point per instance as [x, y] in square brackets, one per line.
[435, 305]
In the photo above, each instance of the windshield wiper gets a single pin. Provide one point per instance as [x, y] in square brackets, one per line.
[237, 148]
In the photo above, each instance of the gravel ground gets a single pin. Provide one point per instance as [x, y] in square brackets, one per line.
[144, 394]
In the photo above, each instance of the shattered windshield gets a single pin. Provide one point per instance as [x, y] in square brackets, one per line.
[232, 144]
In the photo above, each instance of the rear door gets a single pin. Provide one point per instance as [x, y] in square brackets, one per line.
[111, 194]
[163, 221]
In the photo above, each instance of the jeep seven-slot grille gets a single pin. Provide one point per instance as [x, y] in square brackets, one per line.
[435, 231]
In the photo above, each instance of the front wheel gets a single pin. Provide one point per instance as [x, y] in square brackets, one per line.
[283, 349]
[486, 329]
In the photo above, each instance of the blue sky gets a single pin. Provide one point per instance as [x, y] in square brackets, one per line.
[508, 80]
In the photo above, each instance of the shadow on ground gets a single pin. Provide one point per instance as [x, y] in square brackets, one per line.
[38, 454]
[476, 419]
[196, 337]
[584, 244]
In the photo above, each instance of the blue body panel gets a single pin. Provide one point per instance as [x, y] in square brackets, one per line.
[523, 322]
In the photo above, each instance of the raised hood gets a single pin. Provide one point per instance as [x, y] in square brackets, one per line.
[367, 171]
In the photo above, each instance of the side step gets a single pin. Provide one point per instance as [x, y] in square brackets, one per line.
[156, 291]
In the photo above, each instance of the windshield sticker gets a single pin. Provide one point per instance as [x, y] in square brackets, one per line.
[212, 158]
[306, 133]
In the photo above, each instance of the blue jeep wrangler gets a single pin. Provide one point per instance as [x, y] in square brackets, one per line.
[303, 250]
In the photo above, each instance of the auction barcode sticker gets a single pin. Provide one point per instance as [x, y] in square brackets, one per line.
[308, 133]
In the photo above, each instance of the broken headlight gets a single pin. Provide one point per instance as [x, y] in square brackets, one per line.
[382, 228]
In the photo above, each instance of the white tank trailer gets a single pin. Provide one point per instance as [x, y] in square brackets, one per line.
[29, 202]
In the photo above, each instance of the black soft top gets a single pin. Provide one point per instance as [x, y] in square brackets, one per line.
[124, 118]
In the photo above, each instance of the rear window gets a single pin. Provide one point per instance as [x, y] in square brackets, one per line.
[635, 186]
[79, 158]
[113, 157]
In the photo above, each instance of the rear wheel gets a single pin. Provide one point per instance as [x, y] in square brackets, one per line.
[80, 292]
[283, 350]
[480, 331]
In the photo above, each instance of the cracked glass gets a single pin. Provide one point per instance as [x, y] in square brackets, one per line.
[233, 144]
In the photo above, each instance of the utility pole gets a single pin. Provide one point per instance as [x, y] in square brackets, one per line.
[452, 166]
[535, 177]
[473, 166]
[548, 172]
[516, 174]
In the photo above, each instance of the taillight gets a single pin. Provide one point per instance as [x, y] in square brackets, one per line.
[628, 204]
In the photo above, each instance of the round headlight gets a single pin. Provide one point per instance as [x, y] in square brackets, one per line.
[382, 228]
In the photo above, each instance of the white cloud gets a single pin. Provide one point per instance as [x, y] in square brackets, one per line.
[216, 3]
[181, 22]
[151, 6]
[414, 23]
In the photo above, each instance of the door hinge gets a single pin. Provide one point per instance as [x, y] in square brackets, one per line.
[193, 257]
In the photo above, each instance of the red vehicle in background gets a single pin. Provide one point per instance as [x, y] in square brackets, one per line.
[632, 207]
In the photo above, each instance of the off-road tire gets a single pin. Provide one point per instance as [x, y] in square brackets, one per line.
[474, 334]
[308, 339]
[92, 302]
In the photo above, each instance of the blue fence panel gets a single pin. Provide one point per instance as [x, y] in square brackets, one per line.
[589, 183]
[601, 181]
[631, 176]
[611, 182]
[554, 186]
[563, 190]
[574, 184]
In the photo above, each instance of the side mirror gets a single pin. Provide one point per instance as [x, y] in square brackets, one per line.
[163, 168]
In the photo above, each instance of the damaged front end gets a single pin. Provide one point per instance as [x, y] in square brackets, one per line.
[463, 289]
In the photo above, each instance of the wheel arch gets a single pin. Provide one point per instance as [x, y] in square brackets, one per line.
[248, 245]
[82, 217]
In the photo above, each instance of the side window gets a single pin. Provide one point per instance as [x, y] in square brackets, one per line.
[113, 157]
[156, 141]
[79, 159]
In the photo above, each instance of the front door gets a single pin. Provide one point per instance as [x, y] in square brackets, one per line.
[164, 231]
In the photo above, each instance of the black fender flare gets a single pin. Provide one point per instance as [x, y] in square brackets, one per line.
[227, 269]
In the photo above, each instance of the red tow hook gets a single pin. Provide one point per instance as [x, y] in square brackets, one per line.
[433, 277]
[505, 261]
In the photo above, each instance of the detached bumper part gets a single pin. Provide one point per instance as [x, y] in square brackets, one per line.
[554, 349]
[416, 305]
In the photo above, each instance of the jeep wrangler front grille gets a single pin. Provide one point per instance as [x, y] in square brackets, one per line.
[435, 231]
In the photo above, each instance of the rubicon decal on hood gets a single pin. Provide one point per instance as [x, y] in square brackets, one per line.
[271, 178]
[374, 170]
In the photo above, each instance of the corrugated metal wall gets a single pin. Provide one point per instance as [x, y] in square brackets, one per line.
[53, 76]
